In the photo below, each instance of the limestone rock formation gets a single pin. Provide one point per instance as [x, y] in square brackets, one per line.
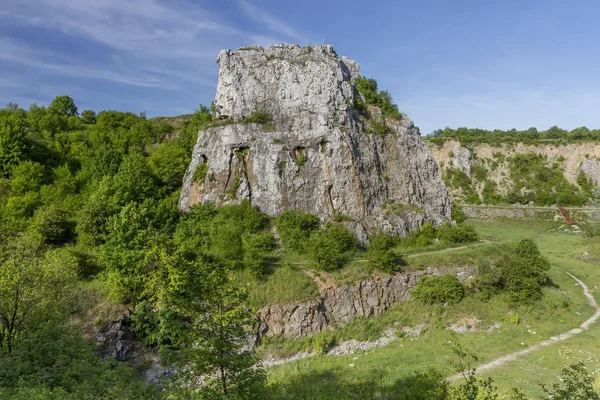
[461, 160]
[338, 306]
[591, 169]
[318, 154]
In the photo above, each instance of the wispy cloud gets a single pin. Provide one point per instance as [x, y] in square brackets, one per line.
[160, 44]
[271, 22]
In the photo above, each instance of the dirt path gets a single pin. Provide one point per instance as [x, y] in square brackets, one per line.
[482, 242]
[554, 339]
[448, 250]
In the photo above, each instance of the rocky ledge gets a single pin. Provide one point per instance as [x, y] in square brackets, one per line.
[338, 306]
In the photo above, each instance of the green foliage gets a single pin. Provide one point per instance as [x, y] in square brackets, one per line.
[27, 177]
[439, 289]
[54, 361]
[200, 173]
[33, 287]
[521, 273]
[515, 319]
[323, 341]
[381, 254]
[531, 135]
[212, 344]
[294, 228]
[369, 91]
[258, 117]
[13, 144]
[479, 172]
[63, 106]
[326, 247]
[458, 234]
[169, 162]
[88, 117]
[53, 225]
[300, 157]
[457, 214]
[490, 193]
[576, 383]
[537, 180]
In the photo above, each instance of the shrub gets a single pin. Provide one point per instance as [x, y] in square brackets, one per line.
[323, 341]
[380, 252]
[258, 117]
[294, 228]
[369, 91]
[325, 247]
[479, 172]
[300, 158]
[457, 214]
[458, 234]
[521, 273]
[200, 173]
[53, 225]
[436, 289]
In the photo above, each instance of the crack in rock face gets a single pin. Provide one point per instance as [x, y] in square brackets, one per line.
[318, 154]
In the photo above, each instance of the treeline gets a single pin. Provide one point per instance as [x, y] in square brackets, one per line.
[477, 135]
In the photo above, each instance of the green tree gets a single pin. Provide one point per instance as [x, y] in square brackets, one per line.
[12, 142]
[88, 117]
[26, 177]
[33, 286]
[326, 247]
[576, 383]
[63, 106]
[215, 342]
[294, 228]
[381, 254]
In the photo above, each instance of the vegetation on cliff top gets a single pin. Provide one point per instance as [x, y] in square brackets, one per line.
[497, 136]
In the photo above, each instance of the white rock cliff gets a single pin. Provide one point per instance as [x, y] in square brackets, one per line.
[318, 154]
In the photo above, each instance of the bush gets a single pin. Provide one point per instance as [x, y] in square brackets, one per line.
[53, 225]
[439, 289]
[457, 214]
[327, 246]
[380, 253]
[521, 273]
[323, 341]
[200, 173]
[294, 228]
[458, 234]
[369, 91]
[258, 117]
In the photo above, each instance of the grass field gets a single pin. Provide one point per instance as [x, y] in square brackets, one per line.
[564, 307]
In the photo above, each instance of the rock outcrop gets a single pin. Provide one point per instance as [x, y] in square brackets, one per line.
[591, 168]
[338, 306]
[318, 154]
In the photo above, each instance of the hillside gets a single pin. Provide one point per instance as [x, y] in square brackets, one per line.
[541, 173]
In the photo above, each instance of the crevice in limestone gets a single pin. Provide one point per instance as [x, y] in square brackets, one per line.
[231, 154]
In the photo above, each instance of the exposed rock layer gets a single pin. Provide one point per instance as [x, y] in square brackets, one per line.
[338, 306]
[318, 155]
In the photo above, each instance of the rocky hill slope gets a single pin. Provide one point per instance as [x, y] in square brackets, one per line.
[542, 173]
[288, 135]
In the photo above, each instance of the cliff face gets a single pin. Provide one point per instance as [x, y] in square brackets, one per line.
[495, 165]
[338, 306]
[318, 154]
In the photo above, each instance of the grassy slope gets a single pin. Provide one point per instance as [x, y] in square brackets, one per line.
[405, 356]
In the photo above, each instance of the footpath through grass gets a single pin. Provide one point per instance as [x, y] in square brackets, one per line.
[562, 308]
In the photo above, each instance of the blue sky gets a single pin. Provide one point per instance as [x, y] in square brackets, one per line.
[488, 64]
